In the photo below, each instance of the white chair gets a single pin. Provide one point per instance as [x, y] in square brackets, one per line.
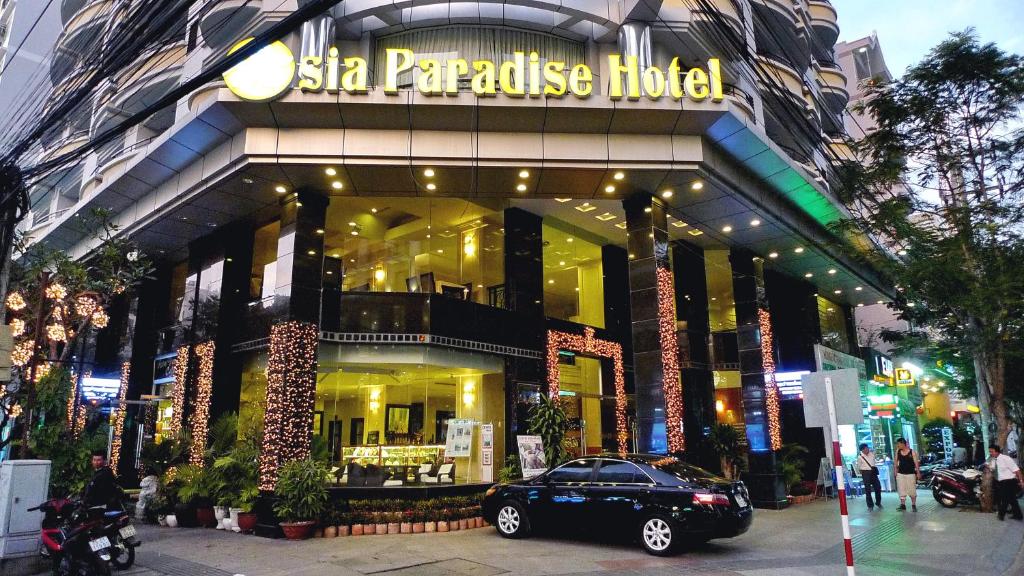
[424, 470]
[445, 475]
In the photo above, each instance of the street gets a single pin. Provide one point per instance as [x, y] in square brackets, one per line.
[803, 540]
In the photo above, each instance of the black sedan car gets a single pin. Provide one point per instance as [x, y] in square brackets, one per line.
[659, 500]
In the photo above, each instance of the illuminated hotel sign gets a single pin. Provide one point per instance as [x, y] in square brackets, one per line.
[270, 72]
[789, 383]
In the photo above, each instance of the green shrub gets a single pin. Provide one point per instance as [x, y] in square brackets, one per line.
[301, 492]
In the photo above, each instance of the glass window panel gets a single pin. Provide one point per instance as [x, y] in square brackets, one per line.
[833, 325]
[617, 472]
[573, 274]
[575, 471]
[721, 303]
[262, 279]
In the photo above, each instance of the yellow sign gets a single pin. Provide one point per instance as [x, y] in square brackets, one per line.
[268, 74]
[904, 377]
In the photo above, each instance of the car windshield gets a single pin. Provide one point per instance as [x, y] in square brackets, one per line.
[680, 469]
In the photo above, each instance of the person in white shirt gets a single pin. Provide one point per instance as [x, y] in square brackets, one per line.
[869, 474]
[1008, 478]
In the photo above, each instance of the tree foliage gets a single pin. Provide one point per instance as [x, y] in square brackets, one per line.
[940, 184]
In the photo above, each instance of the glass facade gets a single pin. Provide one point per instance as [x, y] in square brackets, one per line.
[833, 325]
[573, 274]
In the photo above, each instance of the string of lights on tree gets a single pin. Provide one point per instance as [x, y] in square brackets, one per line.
[291, 397]
[671, 385]
[589, 345]
[117, 417]
[771, 388]
[178, 392]
[200, 418]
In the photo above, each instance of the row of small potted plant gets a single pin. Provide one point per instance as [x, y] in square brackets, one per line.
[364, 517]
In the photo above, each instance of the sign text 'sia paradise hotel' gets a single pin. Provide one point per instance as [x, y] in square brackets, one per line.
[267, 74]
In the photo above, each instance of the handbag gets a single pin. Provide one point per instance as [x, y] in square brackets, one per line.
[874, 469]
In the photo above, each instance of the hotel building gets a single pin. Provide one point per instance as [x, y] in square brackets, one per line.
[408, 213]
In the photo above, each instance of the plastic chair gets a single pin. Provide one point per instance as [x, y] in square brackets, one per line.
[445, 475]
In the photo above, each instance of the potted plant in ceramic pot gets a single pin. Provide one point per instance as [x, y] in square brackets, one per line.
[356, 517]
[195, 489]
[429, 516]
[301, 497]
[342, 520]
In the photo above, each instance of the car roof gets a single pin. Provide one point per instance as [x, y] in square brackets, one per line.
[631, 457]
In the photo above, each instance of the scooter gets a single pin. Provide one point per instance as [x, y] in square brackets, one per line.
[952, 488]
[123, 539]
[74, 538]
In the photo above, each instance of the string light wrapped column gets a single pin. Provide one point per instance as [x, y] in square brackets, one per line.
[199, 419]
[587, 344]
[670, 361]
[178, 392]
[117, 418]
[291, 397]
[771, 388]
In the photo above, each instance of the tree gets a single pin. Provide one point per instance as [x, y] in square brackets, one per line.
[55, 304]
[941, 183]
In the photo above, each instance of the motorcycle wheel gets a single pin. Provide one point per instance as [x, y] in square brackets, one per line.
[944, 501]
[122, 555]
[100, 567]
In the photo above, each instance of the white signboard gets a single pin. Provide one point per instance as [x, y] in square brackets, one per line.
[531, 455]
[845, 385]
[459, 441]
[487, 452]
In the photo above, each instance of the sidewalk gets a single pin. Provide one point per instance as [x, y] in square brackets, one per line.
[804, 540]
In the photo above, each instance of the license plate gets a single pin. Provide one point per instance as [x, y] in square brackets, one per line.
[741, 501]
[127, 532]
[99, 544]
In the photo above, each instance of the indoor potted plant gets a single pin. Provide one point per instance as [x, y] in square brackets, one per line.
[301, 497]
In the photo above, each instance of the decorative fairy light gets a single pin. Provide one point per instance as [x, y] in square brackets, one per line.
[85, 306]
[16, 302]
[42, 369]
[588, 344]
[56, 333]
[15, 410]
[117, 418]
[200, 418]
[671, 384]
[72, 401]
[771, 388]
[178, 393]
[56, 291]
[100, 318]
[17, 327]
[22, 352]
[291, 397]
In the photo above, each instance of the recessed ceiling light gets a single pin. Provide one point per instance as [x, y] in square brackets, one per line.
[524, 173]
[838, 291]
[335, 255]
[354, 233]
[337, 185]
[569, 240]
[609, 188]
[679, 224]
[586, 207]
[311, 252]
[319, 230]
[726, 229]
[374, 210]
[330, 171]
[621, 225]
[647, 210]
[808, 275]
[831, 270]
[799, 249]
[431, 186]
[755, 222]
[858, 288]
[696, 185]
[429, 172]
[605, 217]
[694, 232]
[773, 254]
[247, 180]
[619, 176]
[351, 223]
[561, 262]
[521, 187]
[666, 194]
[562, 200]
[280, 189]
[440, 251]
[552, 281]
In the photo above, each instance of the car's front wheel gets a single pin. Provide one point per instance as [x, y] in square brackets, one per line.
[511, 521]
[658, 536]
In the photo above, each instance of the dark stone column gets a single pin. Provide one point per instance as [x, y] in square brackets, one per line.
[236, 248]
[655, 353]
[615, 268]
[691, 293]
[765, 484]
[524, 263]
[795, 327]
[300, 257]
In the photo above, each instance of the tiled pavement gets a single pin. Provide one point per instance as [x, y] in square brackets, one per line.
[803, 540]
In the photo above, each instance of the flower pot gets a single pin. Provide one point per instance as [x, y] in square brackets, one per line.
[394, 528]
[369, 529]
[405, 528]
[380, 529]
[233, 517]
[417, 527]
[318, 532]
[206, 517]
[247, 521]
[442, 525]
[220, 513]
[171, 520]
[357, 530]
[430, 526]
[453, 525]
[463, 523]
[298, 530]
[330, 531]
[225, 524]
[343, 530]
[161, 519]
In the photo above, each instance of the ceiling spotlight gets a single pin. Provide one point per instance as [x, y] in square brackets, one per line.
[354, 233]
[521, 187]
[837, 291]
[831, 270]
[799, 249]
[859, 288]
[311, 252]
[808, 275]
[666, 194]
[330, 171]
[552, 281]
[524, 173]
[755, 222]
[351, 223]
[647, 209]
[337, 185]
[773, 254]
[609, 188]
[247, 180]
[619, 176]
[561, 262]
[429, 172]
[374, 210]
[335, 255]
[727, 229]
[697, 185]
[431, 186]
[569, 240]
[280, 189]
[319, 230]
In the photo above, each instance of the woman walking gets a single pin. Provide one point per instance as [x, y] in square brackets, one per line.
[908, 472]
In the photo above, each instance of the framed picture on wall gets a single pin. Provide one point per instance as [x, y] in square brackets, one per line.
[373, 438]
[397, 419]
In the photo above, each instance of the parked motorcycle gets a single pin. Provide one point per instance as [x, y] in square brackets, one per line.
[954, 487]
[75, 538]
[123, 539]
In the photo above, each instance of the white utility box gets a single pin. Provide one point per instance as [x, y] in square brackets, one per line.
[23, 485]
